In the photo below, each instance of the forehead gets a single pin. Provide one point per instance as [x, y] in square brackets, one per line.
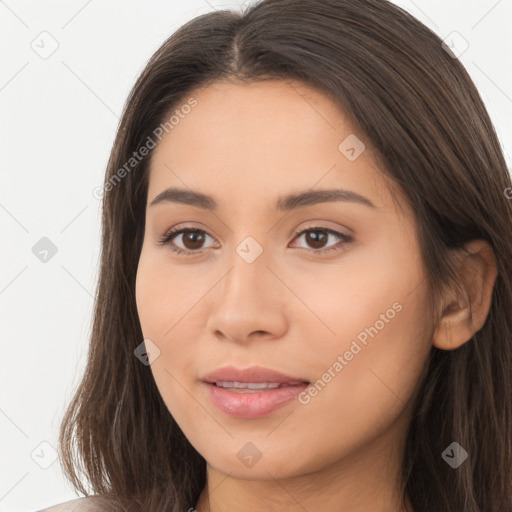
[264, 138]
[282, 115]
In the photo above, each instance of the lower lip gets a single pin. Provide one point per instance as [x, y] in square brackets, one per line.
[252, 405]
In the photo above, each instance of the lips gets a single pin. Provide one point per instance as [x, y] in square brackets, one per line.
[251, 393]
[255, 374]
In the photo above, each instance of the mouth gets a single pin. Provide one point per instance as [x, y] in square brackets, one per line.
[255, 377]
[254, 387]
[253, 392]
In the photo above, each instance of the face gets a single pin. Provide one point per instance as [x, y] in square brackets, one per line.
[329, 291]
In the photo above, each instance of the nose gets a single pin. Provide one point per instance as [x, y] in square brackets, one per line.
[250, 302]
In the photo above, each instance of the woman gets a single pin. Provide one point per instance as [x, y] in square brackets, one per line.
[306, 281]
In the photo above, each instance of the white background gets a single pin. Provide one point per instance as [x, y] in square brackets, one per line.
[58, 121]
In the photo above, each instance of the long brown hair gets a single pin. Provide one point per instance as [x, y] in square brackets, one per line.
[417, 106]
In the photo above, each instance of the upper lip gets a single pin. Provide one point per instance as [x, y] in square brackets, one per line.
[252, 374]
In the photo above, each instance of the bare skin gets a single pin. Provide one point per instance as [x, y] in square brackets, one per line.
[295, 308]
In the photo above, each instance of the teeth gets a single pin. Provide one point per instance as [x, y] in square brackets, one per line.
[248, 385]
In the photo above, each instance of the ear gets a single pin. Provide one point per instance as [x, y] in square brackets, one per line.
[463, 316]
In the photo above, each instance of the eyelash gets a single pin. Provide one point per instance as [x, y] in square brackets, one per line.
[173, 233]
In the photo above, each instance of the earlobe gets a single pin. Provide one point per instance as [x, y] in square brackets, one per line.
[465, 315]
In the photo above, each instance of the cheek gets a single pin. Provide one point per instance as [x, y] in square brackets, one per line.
[165, 298]
[163, 293]
[366, 377]
[157, 309]
[149, 300]
[375, 337]
[342, 299]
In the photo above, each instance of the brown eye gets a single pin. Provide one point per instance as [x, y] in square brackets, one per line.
[192, 240]
[316, 239]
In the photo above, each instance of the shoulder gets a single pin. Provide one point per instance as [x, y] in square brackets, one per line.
[89, 504]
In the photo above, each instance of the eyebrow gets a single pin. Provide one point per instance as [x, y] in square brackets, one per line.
[286, 203]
